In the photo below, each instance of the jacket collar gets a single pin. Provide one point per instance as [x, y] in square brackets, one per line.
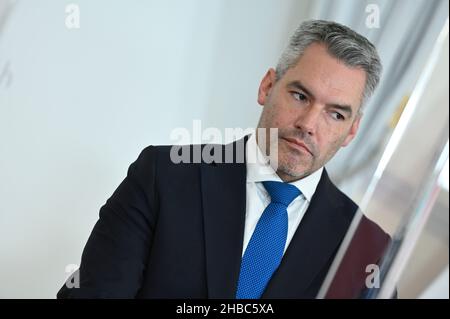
[311, 249]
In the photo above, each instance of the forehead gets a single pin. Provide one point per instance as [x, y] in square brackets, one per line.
[328, 79]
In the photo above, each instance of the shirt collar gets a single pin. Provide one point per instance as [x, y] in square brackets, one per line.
[259, 170]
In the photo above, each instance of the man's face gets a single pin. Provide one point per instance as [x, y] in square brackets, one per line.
[315, 108]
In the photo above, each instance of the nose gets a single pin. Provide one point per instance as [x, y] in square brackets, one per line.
[308, 119]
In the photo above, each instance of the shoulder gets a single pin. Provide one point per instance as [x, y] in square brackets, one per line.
[367, 227]
[167, 155]
[338, 199]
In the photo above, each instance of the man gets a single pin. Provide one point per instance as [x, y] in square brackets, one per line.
[217, 229]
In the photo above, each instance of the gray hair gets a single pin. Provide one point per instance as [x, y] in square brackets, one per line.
[343, 43]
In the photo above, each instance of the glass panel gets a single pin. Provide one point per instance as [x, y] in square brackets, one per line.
[402, 192]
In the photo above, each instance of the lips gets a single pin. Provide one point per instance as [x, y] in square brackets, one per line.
[297, 144]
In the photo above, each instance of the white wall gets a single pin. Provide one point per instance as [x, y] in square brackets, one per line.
[81, 104]
[77, 106]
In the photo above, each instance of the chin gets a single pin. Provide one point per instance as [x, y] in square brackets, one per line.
[294, 163]
[296, 171]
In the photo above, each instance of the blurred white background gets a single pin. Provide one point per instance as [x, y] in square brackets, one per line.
[78, 105]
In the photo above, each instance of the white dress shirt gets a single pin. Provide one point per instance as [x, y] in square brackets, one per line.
[258, 198]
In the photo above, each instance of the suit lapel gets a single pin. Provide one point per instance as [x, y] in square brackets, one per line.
[224, 206]
[313, 245]
[311, 249]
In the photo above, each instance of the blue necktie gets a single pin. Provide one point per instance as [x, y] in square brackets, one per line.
[266, 246]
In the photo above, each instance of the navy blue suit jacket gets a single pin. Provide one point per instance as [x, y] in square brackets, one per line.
[176, 231]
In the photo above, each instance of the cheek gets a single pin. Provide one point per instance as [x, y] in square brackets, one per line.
[284, 117]
[331, 139]
[271, 116]
[333, 144]
[278, 113]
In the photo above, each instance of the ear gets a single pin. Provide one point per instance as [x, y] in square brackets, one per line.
[266, 86]
[353, 130]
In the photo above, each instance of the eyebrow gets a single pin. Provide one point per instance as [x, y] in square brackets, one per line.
[343, 107]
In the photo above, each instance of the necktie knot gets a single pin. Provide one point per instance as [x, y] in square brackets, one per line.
[280, 192]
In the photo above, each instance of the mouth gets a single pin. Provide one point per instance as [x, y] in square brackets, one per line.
[297, 144]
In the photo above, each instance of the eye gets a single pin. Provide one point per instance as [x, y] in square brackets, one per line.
[299, 96]
[337, 116]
